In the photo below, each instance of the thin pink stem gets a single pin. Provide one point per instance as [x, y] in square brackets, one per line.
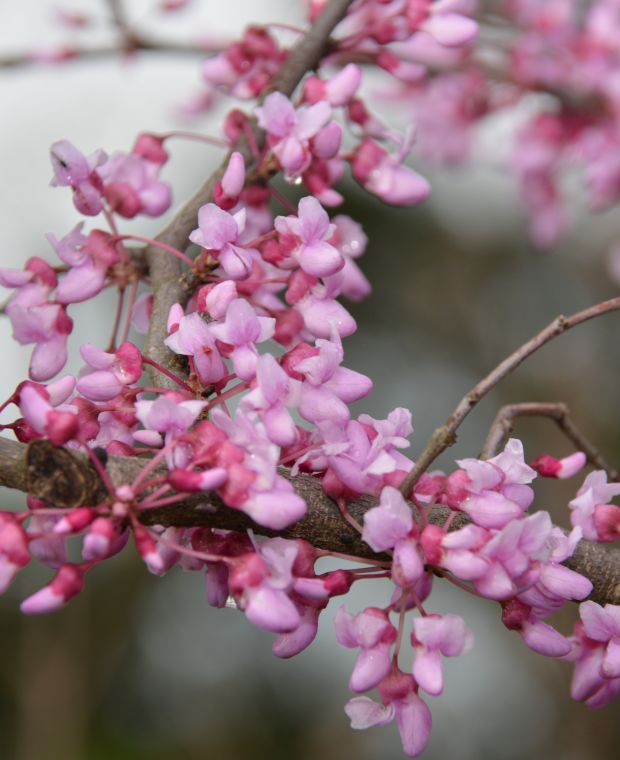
[117, 319]
[152, 463]
[164, 246]
[133, 292]
[175, 378]
[260, 239]
[216, 141]
[223, 397]
[282, 200]
[109, 217]
[163, 502]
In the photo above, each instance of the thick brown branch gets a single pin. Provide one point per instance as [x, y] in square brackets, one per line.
[445, 436]
[165, 271]
[67, 479]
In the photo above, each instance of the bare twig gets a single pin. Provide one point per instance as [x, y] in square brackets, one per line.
[503, 423]
[139, 43]
[65, 478]
[445, 436]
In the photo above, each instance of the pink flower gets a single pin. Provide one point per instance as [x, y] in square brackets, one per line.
[35, 320]
[72, 169]
[89, 258]
[60, 424]
[193, 337]
[261, 583]
[373, 633]
[14, 553]
[550, 467]
[295, 135]
[172, 415]
[399, 700]
[217, 232]
[270, 397]
[247, 66]
[497, 490]
[338, 90]
[310, 230]
[67, 583]
[596, 653]
[386, 177]
[228, 189]
[243, 329]
[110, 372]
[388, 523]
[259, 490]
[132, 186]
[590, 510]
[436, 635]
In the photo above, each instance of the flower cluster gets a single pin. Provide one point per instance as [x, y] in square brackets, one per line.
[256, 397]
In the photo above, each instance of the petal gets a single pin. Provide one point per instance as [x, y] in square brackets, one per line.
[320, 259]
[290, 644]
[81, 283]
[272, 610]
[388, 523]
[544, 639]
[611, 663]
[596, 622]
[48, 358]
[491, 509]
[365, 713]
[414, 724]
[427, 671]
[450, 29]
[371, 666]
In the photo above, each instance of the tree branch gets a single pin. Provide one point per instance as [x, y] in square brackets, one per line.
[558, 412]
[445, 436]
[65, 478]
[165, 271]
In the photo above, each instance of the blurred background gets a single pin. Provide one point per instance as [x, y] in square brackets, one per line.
[140, 667]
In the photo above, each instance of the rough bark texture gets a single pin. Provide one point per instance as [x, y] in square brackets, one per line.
[67, 479]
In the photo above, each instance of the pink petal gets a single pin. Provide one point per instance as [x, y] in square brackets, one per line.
[407, 564]
[275, 509]
[100, 385]
[427, 671]
[371, 666]
[414, 724]
[290, 644]
[564, 582]
[611, 663]
[597, 623]
[389, 522]
[48, 358]
[272, 610]
[491, 509]
[451, 29]
[320, 315]
[544, 639]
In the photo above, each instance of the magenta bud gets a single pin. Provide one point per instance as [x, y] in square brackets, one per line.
[67, 583]
[150, 147]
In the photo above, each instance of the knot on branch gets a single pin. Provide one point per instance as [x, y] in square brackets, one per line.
[58, 478]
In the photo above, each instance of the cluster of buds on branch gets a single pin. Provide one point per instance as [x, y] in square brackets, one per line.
[248, 391]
